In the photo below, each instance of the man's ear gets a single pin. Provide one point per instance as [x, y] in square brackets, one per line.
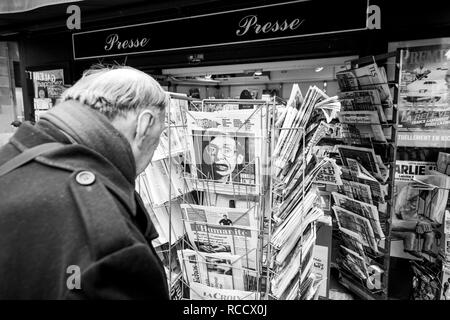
[240, 159]
[145, 121]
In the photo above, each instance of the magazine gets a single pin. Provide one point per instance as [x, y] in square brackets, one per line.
[424, 115]
[420, 196]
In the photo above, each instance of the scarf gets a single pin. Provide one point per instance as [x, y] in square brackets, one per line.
[93, 130]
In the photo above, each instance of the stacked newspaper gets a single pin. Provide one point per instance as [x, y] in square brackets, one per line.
[162, 183]
[366, 104]
[360, 209]
[297, 172]
[360, 205]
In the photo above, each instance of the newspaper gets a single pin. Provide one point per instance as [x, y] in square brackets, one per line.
[229, 201]
[357, 191]
[300, 261]
[329, 173]
[363, 100]
[226, 150]
[366, 122]
[202, 292]
[353, 241]
[424, 114]
[217, 270]
[290, 140]
[178, 142]
[366, 158]
[347, 80]
[160, 215]
[330, 108]
[219, 229]
[156, 181]
[363, 209]
[374, 77]
[358, 224]
[355, 173]
[355, 263]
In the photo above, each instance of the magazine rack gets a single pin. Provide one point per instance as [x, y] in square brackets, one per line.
[387, 151]
[241, 260]
[248, 194]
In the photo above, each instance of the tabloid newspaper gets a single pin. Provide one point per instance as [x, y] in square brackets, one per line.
[226, 150]
[424, 113]
[221, 229]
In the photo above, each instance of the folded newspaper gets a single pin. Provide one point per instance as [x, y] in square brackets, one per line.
[217, 270]
[221, 229]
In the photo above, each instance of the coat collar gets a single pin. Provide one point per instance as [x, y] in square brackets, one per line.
[93, 130]
[108, 163]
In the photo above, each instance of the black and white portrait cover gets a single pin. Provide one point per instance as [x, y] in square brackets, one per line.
[226, 150]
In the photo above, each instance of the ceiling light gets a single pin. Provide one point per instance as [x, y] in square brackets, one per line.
[258, 73]
[318, 69]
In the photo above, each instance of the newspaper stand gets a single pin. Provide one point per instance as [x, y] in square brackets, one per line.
[262, 197]
[387, 151]
[204, 189]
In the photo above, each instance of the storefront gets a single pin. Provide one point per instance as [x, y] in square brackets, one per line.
[262, 47]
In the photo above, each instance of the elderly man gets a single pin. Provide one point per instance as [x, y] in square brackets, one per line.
[71, 223]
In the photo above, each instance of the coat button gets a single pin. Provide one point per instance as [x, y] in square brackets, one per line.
[85, 178]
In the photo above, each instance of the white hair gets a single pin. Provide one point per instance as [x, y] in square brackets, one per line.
[117, 91]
